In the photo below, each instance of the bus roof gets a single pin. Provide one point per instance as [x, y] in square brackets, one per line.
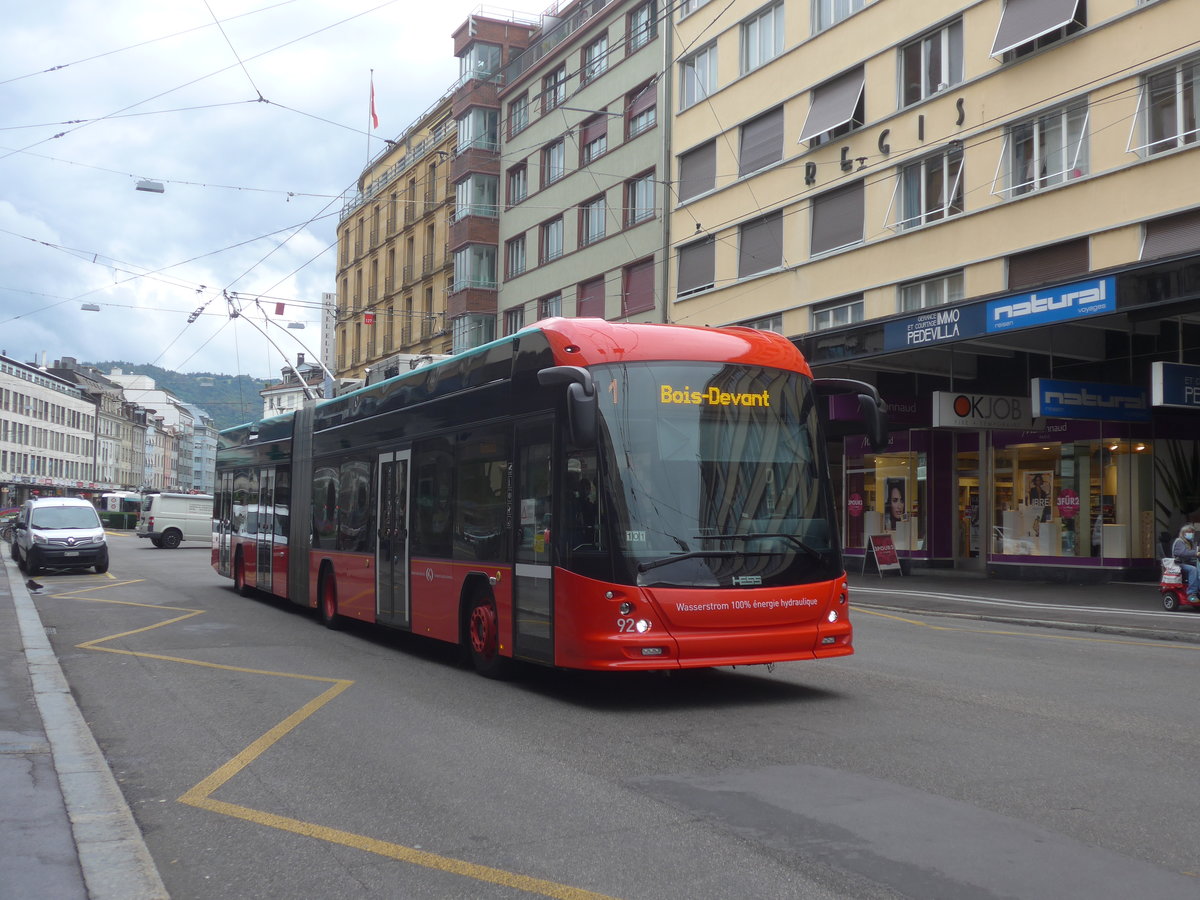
[581, 342]
[592, 342]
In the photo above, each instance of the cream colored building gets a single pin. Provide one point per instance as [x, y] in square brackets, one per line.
[917, 193]
[393, 270]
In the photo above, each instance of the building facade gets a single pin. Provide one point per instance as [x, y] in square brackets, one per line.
[986, 210]
[580, 185]
[47, 435]
[393, 269]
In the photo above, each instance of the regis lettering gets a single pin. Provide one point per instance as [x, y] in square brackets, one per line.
[712, 397]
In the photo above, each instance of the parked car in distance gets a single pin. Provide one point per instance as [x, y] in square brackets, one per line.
[169, 519]
[59, 533]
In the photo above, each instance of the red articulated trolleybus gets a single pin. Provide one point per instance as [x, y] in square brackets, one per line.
[582, 494]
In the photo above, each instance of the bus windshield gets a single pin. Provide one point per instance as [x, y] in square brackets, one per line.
[715, 476]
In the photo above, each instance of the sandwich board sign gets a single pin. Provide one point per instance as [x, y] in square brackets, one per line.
[882, 549]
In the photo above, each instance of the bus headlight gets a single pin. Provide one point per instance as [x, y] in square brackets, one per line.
[833, 615]
[642, 626]
[626, 608]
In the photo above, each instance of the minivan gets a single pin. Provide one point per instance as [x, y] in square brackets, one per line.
[169, 519]
[59, 533]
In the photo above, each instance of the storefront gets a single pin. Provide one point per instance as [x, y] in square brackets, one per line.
[1059, 451]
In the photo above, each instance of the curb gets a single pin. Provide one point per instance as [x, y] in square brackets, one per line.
[113, 856]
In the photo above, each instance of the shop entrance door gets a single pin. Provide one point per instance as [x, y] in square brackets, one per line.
[971, 531]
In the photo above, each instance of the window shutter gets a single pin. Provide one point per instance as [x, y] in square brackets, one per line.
[643, 99]
[761, 245]
[590, 303]
[698, 170]
[593, 129]
[837, 219]
[1047, 265]
[639, 287]
[1172, 236]
[696, 266]
[762, 142]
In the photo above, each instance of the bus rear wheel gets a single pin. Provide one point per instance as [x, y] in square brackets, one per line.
[239, 575]
[327, 602]
[483, 638]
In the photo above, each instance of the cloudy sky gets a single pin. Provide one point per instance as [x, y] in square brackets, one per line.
[252, 114]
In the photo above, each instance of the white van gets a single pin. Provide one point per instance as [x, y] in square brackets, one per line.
[169, 519]
[59, 533]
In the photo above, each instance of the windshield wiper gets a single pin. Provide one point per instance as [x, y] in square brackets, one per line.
[759, 535]
[693, 554]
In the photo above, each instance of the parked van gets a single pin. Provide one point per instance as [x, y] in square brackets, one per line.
[58, 533]
[169, 519]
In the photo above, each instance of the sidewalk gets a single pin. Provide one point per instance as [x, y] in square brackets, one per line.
[1133, 609]
[68, 832]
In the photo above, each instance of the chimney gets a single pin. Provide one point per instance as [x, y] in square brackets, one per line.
[299, 359]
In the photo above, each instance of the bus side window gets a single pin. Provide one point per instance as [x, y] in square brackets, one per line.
[581, 499]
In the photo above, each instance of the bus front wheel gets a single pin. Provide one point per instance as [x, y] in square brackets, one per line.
[483, 638]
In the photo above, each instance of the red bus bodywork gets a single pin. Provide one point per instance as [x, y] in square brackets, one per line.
[593, 623]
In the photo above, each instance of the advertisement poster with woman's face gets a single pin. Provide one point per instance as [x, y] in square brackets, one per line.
[1039, 492]
[895, 492]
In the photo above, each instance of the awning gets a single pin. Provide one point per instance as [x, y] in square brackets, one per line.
[833, 104]
[1025, 20]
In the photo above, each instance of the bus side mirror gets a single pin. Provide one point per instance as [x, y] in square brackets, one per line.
[581, 401]
[871, 407]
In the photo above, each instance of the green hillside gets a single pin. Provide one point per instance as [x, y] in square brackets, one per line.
[229, 399]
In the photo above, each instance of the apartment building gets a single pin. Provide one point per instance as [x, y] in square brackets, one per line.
[394, 271]
[47, 435]
[988, 209]
[581, 187]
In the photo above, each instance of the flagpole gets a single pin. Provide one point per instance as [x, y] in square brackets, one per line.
[370, 116]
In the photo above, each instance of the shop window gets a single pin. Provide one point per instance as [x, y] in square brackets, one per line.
[885, 494]
[1087, 498]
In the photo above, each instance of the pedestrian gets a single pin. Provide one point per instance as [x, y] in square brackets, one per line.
[1184, 551]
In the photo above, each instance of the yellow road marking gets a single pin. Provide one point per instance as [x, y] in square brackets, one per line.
[200, 796]
[1166, 645]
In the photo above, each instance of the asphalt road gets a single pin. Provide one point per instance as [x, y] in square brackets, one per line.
[264, 756]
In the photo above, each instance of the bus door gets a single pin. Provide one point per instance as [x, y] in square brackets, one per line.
[265, 538]
[533, 586]
[223, 513]
[391, 536]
